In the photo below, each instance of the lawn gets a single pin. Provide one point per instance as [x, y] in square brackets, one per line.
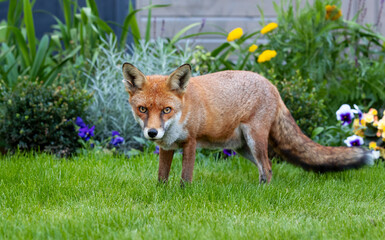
[112, 197]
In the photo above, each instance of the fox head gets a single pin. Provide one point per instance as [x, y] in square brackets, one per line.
[156, 101]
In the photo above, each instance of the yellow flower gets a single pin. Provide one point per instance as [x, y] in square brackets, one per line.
[252, 48]
[373, 111]
[356, 123]
[235, 34]
[359, 132]
[363, 123]
[269, 27]
[332, 12]
[368, 118]
[373, 145]
[381, 125]
[266, 55]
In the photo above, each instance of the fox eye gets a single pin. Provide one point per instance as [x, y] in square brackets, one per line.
[166, 110]
[142, 109]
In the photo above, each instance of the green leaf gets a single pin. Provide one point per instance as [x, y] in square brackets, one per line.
[234, 45]
[21, 43]
[148, 27]
[56, 40]
[39, 60]
[104, 26]
[203, 33]
[3, 34]
[10, 73]
[134, 30]
[370, 131]
[67, 13]
[228, 64]
[140, 140]
[50, 77]
[219, 49]
[28, 21]
[92, 4]
[316, 132]
[185, 29]
[14, 14]
[85, 14]
[130, 21]
[244, 61]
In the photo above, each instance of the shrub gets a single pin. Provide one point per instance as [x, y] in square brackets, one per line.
[201, 61]
[302, 99]
[36, 117]
[341, 53]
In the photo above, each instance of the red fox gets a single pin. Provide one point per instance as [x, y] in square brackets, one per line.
[237, 110]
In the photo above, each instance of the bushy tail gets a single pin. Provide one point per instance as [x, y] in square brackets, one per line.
[287, 140]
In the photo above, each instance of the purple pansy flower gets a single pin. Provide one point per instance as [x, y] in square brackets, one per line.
[116, 138]
[156, 150]
[354, 141]
[357, 111]
[79, 121]
[345, 114]
[229, 152]
[84, 131]
[115, 133]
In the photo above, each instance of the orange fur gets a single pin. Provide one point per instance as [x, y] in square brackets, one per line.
[239, 110]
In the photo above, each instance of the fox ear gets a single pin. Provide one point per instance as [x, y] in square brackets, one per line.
[178, 80]
[133, 78]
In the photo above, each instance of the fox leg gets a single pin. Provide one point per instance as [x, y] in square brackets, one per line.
[256, 151]
[165, 160]
[188, 161]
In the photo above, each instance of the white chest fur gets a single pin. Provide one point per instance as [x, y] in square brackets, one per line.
[175, 132]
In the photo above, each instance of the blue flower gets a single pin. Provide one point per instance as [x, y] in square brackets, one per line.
[86, 132]
[354, 141]
[156, 150]
[229, 152]
[116, 138]
[117, 141]
[345, 114]
[79, 121]
[358, 112]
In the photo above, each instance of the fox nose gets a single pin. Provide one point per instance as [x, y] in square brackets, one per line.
[152, 133]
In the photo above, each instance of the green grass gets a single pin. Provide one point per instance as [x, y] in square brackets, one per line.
[106, 197]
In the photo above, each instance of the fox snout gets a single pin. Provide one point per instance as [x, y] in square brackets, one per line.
[153, 133]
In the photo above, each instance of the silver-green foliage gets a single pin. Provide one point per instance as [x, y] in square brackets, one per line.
[110, 109]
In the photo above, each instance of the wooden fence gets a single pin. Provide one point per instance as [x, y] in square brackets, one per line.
[229, 14]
